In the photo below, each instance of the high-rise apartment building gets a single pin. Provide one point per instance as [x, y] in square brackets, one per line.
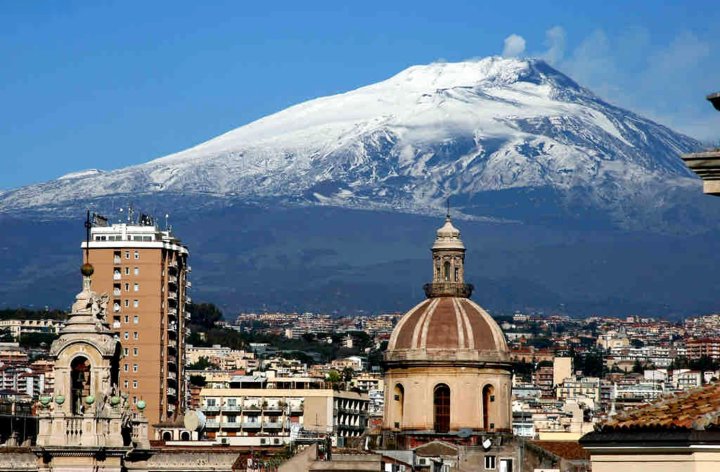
[144, 271]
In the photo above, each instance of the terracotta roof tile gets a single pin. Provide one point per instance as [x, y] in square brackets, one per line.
[569, 450]
[697, 409]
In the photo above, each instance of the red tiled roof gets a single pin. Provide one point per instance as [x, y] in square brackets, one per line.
[697, 409]
[570, 450]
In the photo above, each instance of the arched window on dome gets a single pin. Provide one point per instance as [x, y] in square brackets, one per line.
[399, 398]
[441, 403]
[488, 396]
[447, 271]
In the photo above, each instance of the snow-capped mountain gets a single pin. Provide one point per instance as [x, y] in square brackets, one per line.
[409, 142]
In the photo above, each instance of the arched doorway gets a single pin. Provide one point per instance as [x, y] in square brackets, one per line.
[167, 436]
[441, 403]
[185, 436]
[79, 383]
[399, 397]
[488, 396]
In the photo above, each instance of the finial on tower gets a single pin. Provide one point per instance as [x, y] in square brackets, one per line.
[448, 209]
[87, 269]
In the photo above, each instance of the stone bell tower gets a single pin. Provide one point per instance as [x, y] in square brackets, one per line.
[88, 423]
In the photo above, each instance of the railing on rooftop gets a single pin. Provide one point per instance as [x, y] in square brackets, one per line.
[448, 289]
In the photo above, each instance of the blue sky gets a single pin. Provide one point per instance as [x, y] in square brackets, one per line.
[107, 84]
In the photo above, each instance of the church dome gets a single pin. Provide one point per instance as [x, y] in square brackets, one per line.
[448, 325]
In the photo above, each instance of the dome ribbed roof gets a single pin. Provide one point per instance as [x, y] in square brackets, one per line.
[448, 324]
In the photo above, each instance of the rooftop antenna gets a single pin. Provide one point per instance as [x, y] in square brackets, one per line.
[448, 208]
[130, 213]
[166, 221]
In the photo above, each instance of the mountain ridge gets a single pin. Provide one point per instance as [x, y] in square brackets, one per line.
[410, 142]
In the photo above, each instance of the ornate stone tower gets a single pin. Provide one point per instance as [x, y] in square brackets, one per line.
[448, 374]
[88, 423]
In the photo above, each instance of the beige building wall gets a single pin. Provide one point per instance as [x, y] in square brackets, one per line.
[680, 461]
[562, 369]
[411, 408]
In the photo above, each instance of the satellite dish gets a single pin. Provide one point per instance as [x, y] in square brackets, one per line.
[486, 444]
[194, 420]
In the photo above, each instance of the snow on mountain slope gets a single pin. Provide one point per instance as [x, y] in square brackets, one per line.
[411, 141]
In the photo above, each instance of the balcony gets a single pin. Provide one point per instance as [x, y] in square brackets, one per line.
[116, 260]
[173, 279]
[172, 360]
[172, 376]
[116, 324]
[188, 284]
[117, 276]
[188, 300]
[172, 327]
[211, 408]
[231, 424]
[171, 392]
[231, 408]
[187, 315]
[448, 289]
[116, 308]
[172, 312]
[212, 424]
[116, 291]
[172, 296]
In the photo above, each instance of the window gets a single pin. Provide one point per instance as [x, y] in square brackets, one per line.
[136, 303]
[127, 270]
[135, 351]
[127, 319]
[126, 335]
[136, 287]
[488, 396]
[447, 271]
[136, 319]
[134, 400]
[127, 287]
[134, 383]
[127, 303]
[126, 384]
[231, 419]
[127, 254]
[135, 335]
[137, 270]
[400, 402]
[125, 367]
[211, 402]
[232, 402]
[489, 462]
[506, 465]
[125, 351]
[137, 255]
[135, 367]
[441, 402]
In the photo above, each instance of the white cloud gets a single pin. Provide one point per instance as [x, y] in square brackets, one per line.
[555, 42]
[514, 46]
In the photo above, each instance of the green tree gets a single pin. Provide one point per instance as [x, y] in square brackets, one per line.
[202, 363]
[204, 314]
[637, 367]
[198, 380]
[36, 340]
[333, 377]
